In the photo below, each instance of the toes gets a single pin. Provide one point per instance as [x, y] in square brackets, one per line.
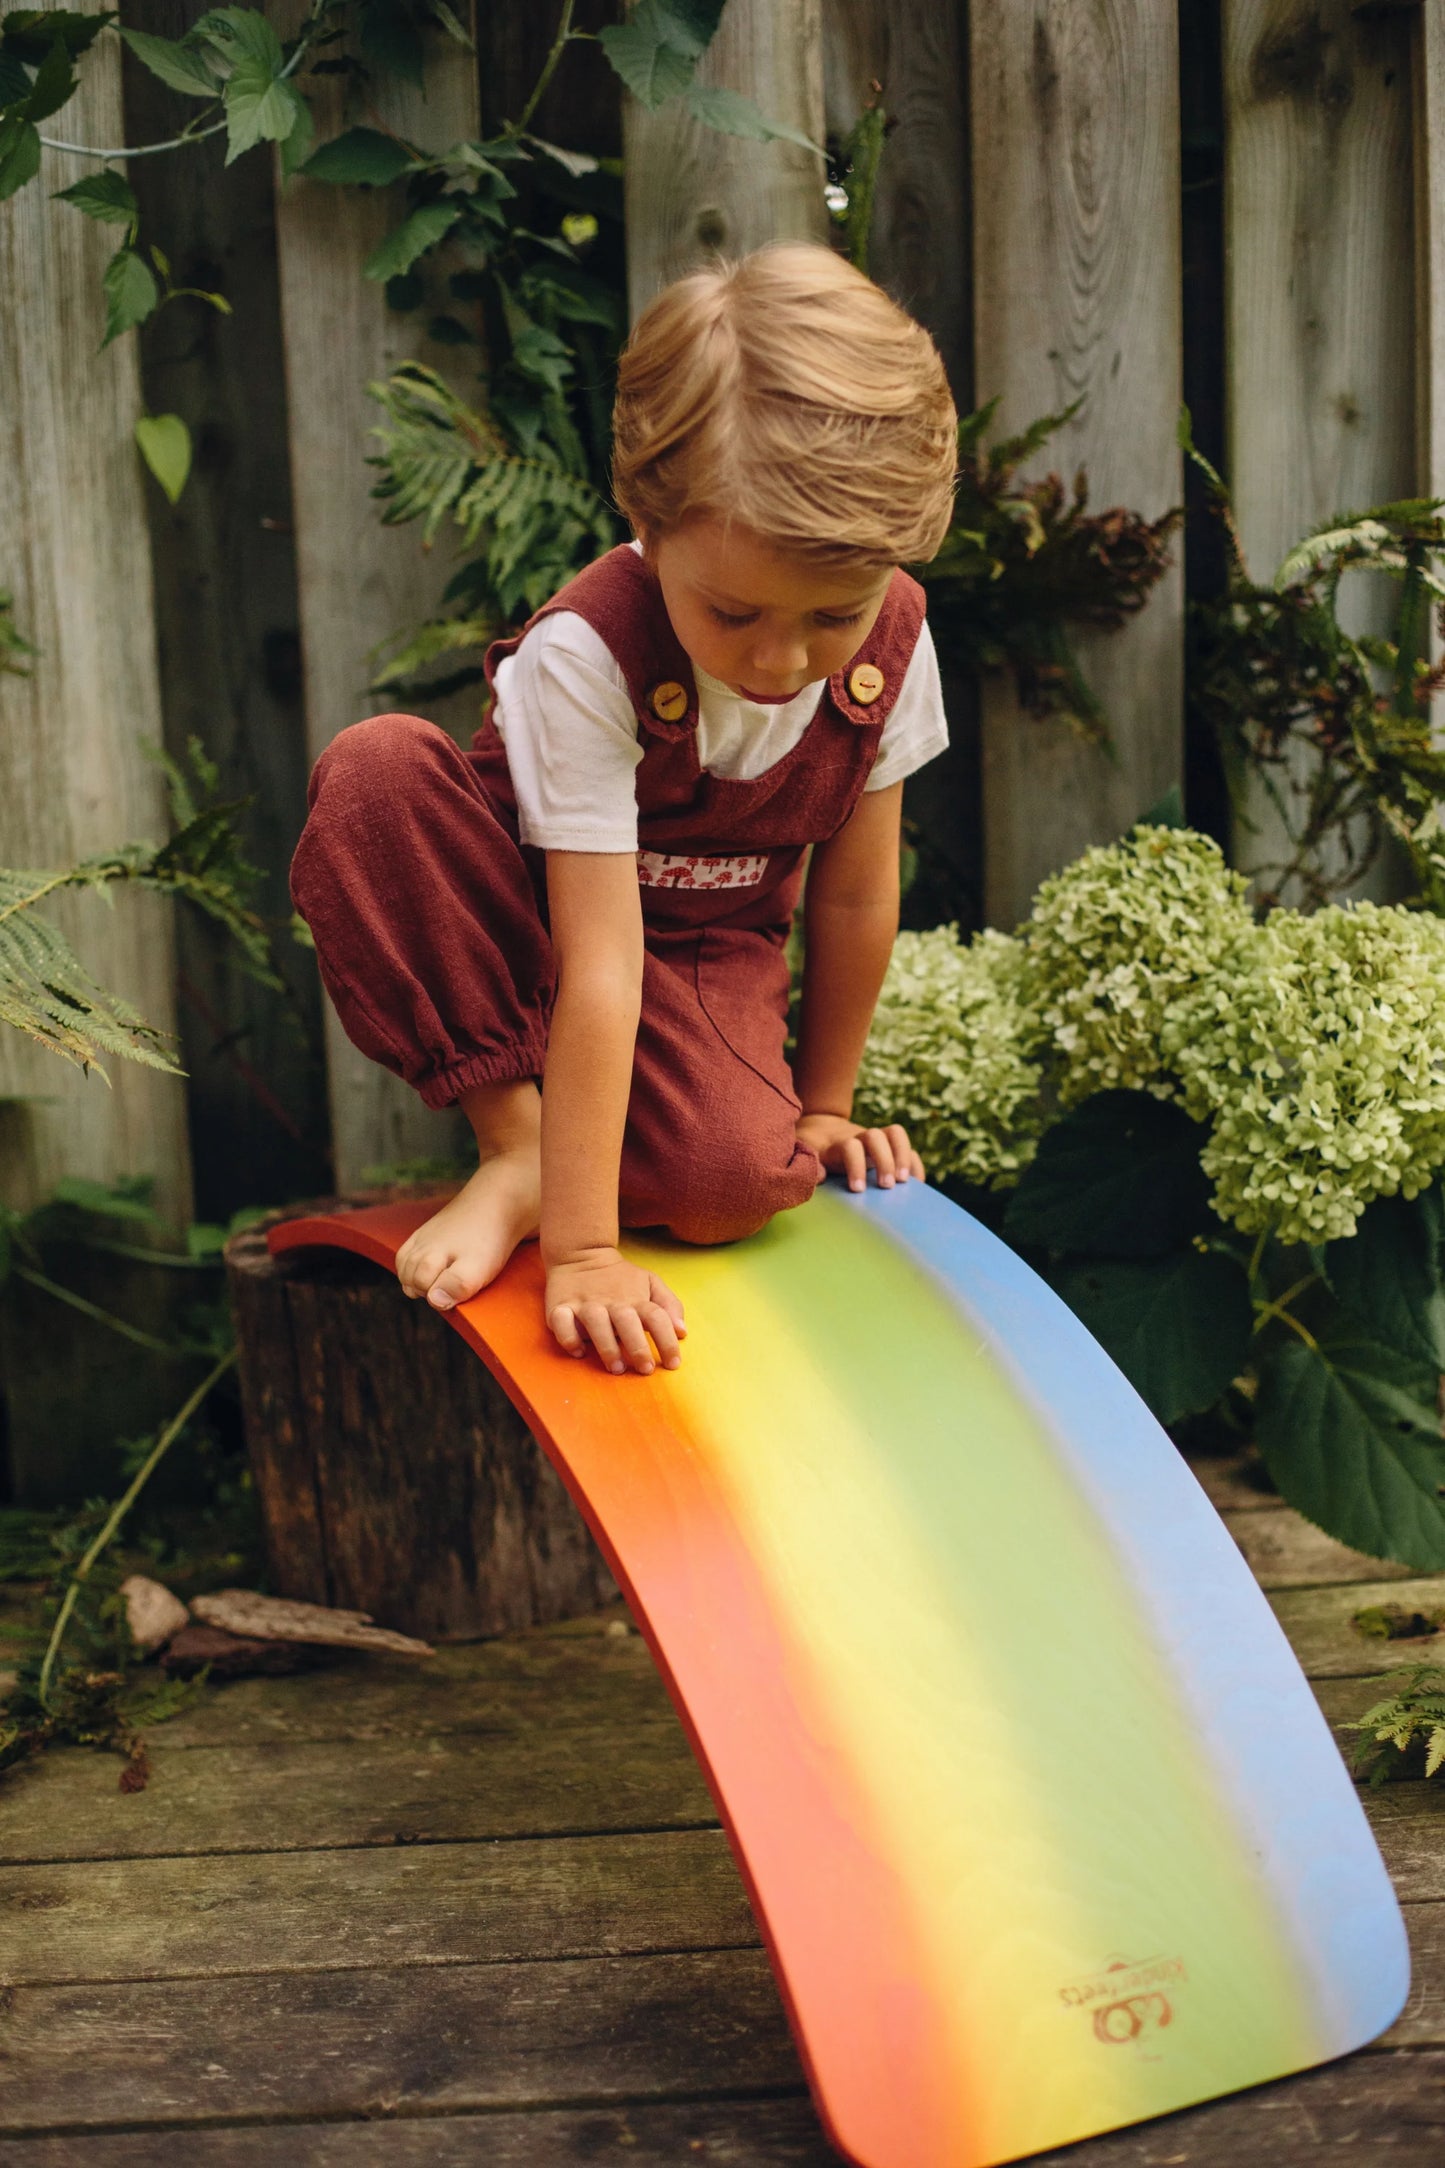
[451, 1286]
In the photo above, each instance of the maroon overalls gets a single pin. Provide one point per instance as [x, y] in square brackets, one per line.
[430, 918]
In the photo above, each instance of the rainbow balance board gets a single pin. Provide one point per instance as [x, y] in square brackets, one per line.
[1041, 1822]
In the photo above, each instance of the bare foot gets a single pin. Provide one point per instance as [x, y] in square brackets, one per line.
[465, 1245]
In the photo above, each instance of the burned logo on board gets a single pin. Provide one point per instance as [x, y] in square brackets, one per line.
[1129, 1999]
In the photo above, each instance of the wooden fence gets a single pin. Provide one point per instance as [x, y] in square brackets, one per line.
[1029, 211]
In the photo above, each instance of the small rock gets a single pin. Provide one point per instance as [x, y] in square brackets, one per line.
[618, 1629]
[152, 1613]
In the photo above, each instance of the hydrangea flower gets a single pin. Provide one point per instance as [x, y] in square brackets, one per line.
[1113, 943]
[948, 1056]
[1317, 1054]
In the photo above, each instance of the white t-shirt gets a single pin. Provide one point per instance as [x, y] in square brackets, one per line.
[567, 720]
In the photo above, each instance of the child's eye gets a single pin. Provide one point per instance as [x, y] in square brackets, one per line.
[726, 617]
[851, 619]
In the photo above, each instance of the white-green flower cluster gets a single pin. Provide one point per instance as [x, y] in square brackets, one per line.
[1310, 1050]
[948, 1056]
[1114, 942]
[1317, 1055]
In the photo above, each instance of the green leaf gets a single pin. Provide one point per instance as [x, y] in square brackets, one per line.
[29, 33]
[1349, 1433]
[1177, 1326]
[118, 1202]
[363, 157]
[400, 250]
[165, 446]
[654, 53]
[240, 34]
[391, 37]
[1166, 812]
[182, 67]
[19, 153]
[1117, 1177]
[131, 293]
[730, 113]
[296, 147]
[104, 196]
[54, 83]
[697, 20]
[259, 107]
[14, 80]
[1388, 1275]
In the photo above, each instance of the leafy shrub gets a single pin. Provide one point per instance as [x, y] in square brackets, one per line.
[947, 1055]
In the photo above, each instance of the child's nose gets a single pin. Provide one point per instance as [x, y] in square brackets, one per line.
[784, 655]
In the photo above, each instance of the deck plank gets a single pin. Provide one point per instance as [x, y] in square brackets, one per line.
[429, 1905]
[379, 2042]
[1285, 1551]
[1329, 1646]
[532, 1781]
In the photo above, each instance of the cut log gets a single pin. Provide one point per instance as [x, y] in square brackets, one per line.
[393, 1474]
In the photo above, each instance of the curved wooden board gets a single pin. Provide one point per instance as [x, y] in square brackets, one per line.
[1040, 1820]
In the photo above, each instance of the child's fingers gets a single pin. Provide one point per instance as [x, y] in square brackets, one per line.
[880, 1151]
[903, 1152]
[596, 1321]
[659, 1292]
[633, 1340]
[919, 1174]
[660, 1325]
[855, 1162]
[564, 1327]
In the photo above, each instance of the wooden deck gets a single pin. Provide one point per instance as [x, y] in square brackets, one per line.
[481, 1912]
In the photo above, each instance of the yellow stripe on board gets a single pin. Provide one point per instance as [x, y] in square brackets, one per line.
[1019, 1739]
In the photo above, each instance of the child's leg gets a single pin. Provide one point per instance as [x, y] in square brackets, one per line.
[711, 1151]
[433, 950]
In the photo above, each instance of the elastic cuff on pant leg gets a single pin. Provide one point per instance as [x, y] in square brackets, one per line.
[504, 1065]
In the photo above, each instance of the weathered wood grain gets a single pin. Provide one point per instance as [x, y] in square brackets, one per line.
[1329, 1646]
[410, 1906]
[1075, 140]
[226, 632]
[526, 1681]
[1234, 1482]
[771, 2133]
[1409, 1824]
[1427, 61]
[1285, 1550]
[74, 780]
[1320, 305]
[384, 2043]
[535, 1782]
[360, 581]
[691, 193]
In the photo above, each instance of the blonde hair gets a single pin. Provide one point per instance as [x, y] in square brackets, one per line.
[788, 392]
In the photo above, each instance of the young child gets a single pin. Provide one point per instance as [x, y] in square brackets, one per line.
[599, 893]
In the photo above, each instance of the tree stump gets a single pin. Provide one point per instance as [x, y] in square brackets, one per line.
[394, 1475]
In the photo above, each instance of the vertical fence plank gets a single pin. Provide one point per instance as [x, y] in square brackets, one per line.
[692, 193]
[1428, 129]
[230, 673]
[921, 244]
[1076, 295]
[1319, 289]
[359, 581]
[73, 778]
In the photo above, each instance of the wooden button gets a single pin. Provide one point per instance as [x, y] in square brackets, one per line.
[669, 701]
[865, 683]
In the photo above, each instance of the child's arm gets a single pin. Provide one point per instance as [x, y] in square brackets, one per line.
[850, 919]
[592, 1292]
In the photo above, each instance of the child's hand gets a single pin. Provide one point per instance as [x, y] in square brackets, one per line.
[598, 1296]
[846, 1148]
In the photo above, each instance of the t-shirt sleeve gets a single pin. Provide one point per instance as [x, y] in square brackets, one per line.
[570, 731]
[916, 729]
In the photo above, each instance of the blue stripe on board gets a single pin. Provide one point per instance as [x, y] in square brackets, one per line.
[1261, 1725]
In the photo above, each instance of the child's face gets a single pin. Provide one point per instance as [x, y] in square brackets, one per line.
[765, 624]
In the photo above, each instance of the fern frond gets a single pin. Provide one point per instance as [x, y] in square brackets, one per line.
[429, 643]
[46, 991]
[532, 518]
